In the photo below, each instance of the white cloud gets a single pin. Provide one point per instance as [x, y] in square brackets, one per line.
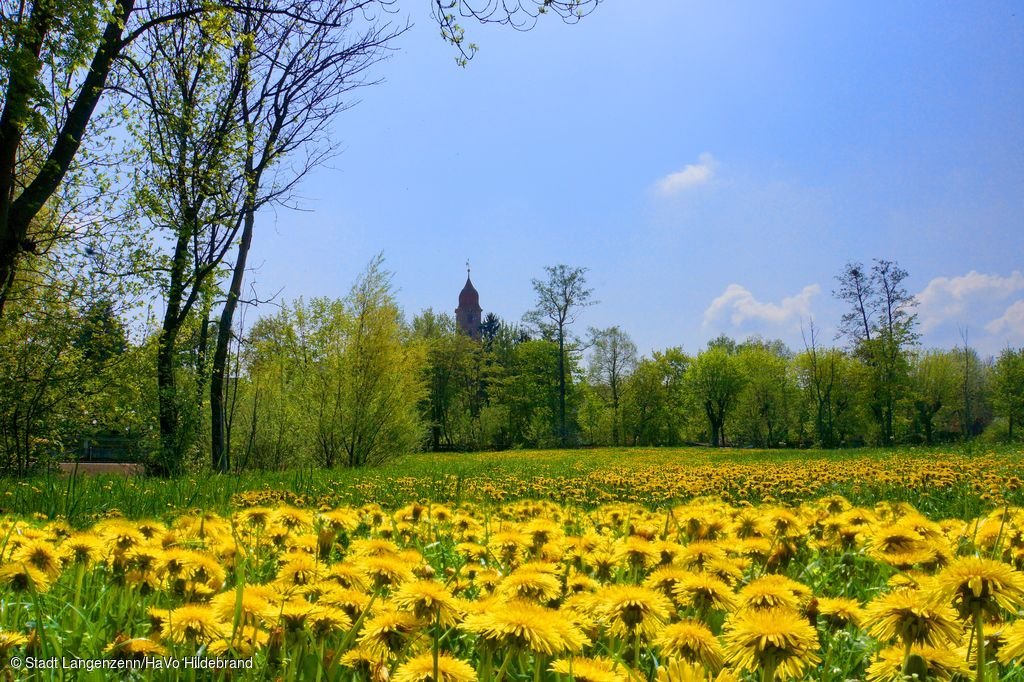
[691, 175]
[739, 304]
[948, 298]
[1011, 322]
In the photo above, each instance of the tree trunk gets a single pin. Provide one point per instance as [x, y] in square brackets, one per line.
[202, 354]
[218, 379]
[168, 403]
[174, 316]
[562, 432]
[24, 68]
[17, 214]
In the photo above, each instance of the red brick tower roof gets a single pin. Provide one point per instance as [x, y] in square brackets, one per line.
[468, 297]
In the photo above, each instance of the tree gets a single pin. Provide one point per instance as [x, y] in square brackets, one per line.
[520, 14]
[189, 90]
[293, 70]
[528, 394]
[559, 300]
[1008, 388]
[828, 381]
[334, 382]
[934, 384]
[381, 374]
[654, 399]
[612, 360]
[715, 379]
[455, 375]
[766, 401]
[880, 327]
[57, 57]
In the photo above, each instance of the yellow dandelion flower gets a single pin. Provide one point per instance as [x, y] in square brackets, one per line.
[385, 634]
[120, 536]
[292, 518]
[598, 669]
[531, 582]
[40, 555]
[578, 583]
[912, 617]
[9, 640]
[254, 602]
[365, 663]
[840, 611]
[749, 523]
[604, 562]
[685, 671]
[324, 620]
[925, 662]
[704, 593]
[522, 625]
[729, 570]
[150, 529]
[290, 615]
[352, 602]
[367, 547]
[135, 649]
[665, 579]
[83, 548]
[508, 544]
[697, 554]
[193, 624]
[976, 585]
[24, 577]
[632, 609]
[542, 531]
[343, 519]
[300, 569]
[778, 642]
[637, 553]
[692, 641]
[421, 669]
[255, 517]
[386, 571]
[1012, 648]
[348, 575]
[429, 601]
[773, 591]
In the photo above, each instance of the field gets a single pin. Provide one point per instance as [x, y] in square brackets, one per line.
[592, 565]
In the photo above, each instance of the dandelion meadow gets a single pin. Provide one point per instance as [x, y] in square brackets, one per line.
[598, 565]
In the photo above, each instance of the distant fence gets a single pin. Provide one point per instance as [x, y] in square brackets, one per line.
[109, 449]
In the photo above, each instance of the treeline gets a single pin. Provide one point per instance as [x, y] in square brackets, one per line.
[501, 393]
[352, 382]
[878, 388]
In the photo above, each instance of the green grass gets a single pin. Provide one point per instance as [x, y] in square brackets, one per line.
[654, 477]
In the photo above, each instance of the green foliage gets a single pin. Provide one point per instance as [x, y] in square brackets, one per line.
[655, 410]
[766, 409]
[935, 381]
[1008, 390]
[331, 382]
[881, 327]
[69, 374]
[457, 374]
[830, 385]
[715, 380]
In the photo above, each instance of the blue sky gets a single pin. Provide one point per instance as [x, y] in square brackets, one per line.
[714, 166]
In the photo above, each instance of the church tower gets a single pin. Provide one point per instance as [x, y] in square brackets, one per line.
[467, 315]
